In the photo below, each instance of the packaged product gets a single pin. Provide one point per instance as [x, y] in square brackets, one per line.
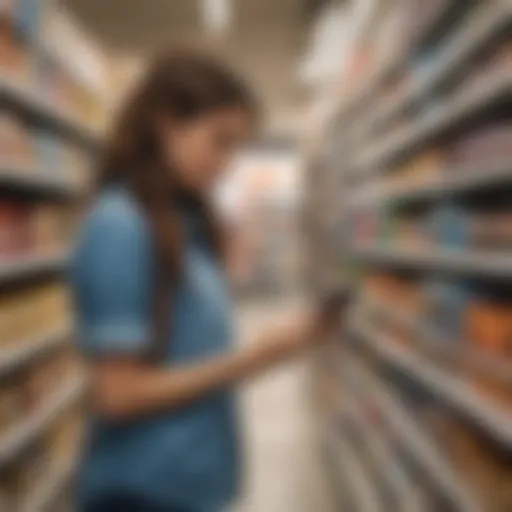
[446, 304]
[18, 324]
[47, 230]
[76, 164]
[11, 407]
[14, 55]
[492, 231]
[449, 226]
[27, 16]
[14, 229]
[49, 153]
[16, 143]
[490, 143]
[489, 333]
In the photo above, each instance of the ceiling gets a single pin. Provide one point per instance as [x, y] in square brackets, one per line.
[265, 41]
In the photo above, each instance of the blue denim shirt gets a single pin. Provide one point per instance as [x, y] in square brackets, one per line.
[184, 458]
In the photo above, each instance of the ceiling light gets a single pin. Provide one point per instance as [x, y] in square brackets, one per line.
[217, 15]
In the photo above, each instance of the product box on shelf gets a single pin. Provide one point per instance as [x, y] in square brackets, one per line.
[32, 312]
[16, 142]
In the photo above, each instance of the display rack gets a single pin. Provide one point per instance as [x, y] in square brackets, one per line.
[44, 160]
[23, 97]
[424, 383]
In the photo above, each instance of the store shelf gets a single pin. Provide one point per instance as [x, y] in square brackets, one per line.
[472, 101]
[45, 497]
[351, 470]
[421, 446]
[487, 22]
[430, 340]
[451, 183]
[30, 266]
[22, 179]
[17, 94]
[396, 477]
[489, 416]
[460, 262]
[387, 69]
[55, 484]
[13, 443]
[25, 351]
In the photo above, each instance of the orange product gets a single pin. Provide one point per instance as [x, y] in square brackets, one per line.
[489, 332]
[11, 410]
[488, 326]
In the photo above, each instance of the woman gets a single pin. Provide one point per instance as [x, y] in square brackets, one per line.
[153, 304]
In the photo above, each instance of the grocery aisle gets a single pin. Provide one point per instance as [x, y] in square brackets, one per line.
[284, 470]
[414, 168]
[398, 114]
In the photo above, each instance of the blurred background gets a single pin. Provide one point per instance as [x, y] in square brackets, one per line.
[383, 166]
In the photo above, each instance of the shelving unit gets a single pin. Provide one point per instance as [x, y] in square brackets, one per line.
[490, 416]
[395, 476]
[470, 102]
[360, 486]
[423, 194]
[487, 22]
[486, 265]
[27, 350]
[50, 136]
[30, 266]
[45, 497]
[13, 443]
[22, 180]
[452, 184]
[15, 93]
[422, 448]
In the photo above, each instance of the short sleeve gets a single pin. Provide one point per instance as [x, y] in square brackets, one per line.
[112, 281]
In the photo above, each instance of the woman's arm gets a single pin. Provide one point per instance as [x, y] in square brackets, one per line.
[112, 276]
[124, 387]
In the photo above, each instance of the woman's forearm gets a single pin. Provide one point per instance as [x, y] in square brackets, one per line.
[129, 389]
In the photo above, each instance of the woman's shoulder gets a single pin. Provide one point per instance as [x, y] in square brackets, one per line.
[116, 209]
[115, 218]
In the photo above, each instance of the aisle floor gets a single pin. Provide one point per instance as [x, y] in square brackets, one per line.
[284, 470]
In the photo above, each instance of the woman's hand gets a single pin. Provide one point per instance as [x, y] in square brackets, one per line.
[306, 329]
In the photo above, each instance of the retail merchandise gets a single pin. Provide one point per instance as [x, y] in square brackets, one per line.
[28, 230]
[444, 227]
[40, 465]
[46, 150]
[38, 152]
[426, 386]
[26, 60]
[468, 153]
[32, 312]
[479, 470]
[461, 327]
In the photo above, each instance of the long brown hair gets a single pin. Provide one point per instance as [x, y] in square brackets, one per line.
[181, 85]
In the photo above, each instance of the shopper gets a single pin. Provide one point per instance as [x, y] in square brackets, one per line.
[153, 305]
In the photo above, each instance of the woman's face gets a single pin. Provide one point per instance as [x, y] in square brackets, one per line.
[200, 149]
